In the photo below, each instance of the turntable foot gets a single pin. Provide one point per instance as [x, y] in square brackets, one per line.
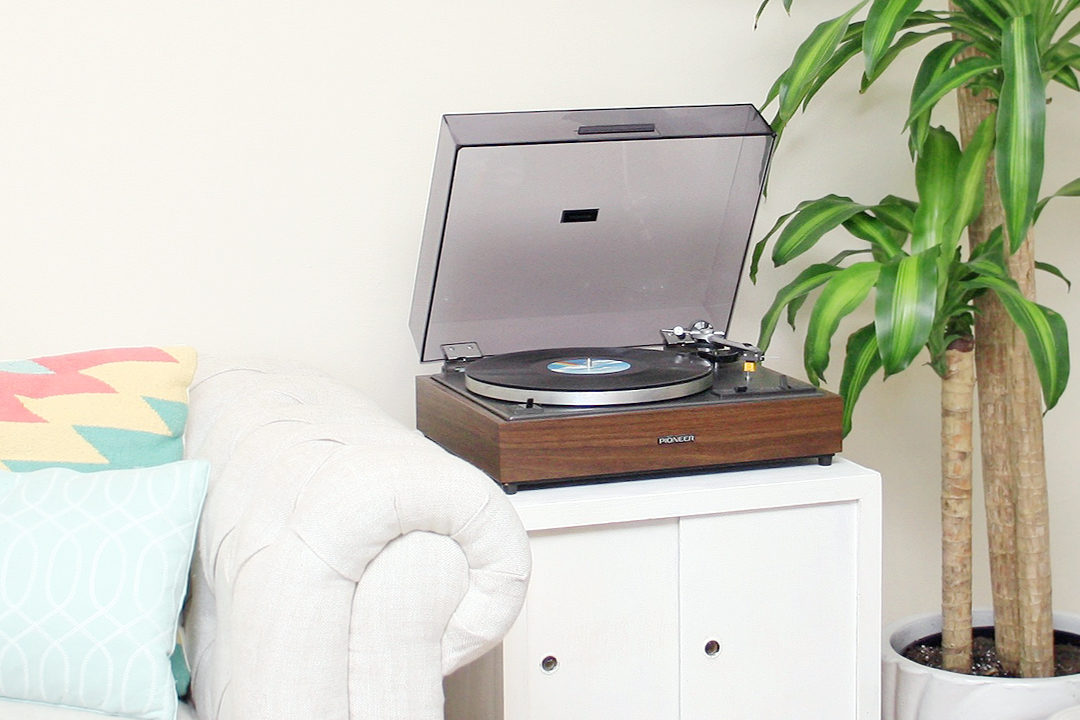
[824, 460]
[510, 488]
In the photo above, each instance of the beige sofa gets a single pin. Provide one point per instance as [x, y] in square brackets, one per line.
[344, 563]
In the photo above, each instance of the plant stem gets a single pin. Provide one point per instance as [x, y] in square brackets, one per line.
[1013, 463]
[957, 401]
[997, 476]
[994, 333]
[1031, 499]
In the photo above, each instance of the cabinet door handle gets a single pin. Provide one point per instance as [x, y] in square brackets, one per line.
[712, 648]
[549, 664]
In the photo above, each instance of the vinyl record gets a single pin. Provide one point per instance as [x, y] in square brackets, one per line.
[589, 376]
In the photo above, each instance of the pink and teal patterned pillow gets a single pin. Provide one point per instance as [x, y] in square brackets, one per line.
[95, 410]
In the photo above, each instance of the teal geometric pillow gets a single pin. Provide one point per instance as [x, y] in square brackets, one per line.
[93, 571]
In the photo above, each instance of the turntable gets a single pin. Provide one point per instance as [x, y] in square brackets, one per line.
[559, 251]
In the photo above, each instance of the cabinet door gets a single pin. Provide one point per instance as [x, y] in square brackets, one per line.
[768, 606]
[602, 611]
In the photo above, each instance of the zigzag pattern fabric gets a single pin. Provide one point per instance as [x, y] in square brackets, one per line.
[95, 410]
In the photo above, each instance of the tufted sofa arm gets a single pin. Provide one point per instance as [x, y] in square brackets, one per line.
[344, 563]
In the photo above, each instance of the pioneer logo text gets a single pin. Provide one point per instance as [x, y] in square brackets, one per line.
[674, 439]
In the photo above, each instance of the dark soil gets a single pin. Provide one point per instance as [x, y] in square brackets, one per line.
[927, 651]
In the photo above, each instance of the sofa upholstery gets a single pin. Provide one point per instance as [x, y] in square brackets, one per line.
[344, 563]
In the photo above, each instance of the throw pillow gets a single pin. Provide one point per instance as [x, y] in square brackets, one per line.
[96, 410]
[93, 571]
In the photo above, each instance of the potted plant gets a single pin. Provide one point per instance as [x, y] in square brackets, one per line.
[999, 56]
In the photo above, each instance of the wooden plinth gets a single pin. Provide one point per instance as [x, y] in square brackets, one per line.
[627, 443]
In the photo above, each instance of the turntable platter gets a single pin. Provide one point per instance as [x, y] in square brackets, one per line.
[589, 376]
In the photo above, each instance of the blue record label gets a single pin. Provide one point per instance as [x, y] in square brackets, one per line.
[588, 366]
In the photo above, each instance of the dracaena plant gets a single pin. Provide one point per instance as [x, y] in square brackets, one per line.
[998, 58]
[923, 287]
[911, 271]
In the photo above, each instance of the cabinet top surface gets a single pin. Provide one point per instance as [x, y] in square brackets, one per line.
[706, 493]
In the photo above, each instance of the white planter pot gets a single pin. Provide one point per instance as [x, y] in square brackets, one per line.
[911, 691]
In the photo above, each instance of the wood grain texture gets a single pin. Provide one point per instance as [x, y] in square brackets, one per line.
[582, 446]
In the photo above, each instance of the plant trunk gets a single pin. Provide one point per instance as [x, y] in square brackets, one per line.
[994, 331]
[1014, 471]
[957, 401]
[1032, 521]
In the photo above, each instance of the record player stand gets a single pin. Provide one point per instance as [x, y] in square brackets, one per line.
[746, 595]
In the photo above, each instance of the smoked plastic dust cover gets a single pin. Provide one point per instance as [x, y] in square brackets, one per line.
[586, 228]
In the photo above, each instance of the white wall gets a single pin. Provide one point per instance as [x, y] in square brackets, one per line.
[250, 178]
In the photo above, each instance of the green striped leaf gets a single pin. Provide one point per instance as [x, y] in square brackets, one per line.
[982, 9]
[810, 223]
[906, 40]
[1046, 333]
[764, 4]
[793, 310]
[971, 180]
[1021, 128]
[847, 50]
[1067, 77]
[755, 258]
[861, 361]
[1072, 31]
[1060, 57]
[844, 255]
[774, 92]
[807, 281]
[936, 62]
[1013, 7]
[795, 305]
[993, 248]
[989, 46]
[1041, 10]
[1055, 271]
[810, 57]
[905, 308]
[1070, 189]
[761, 9]
[935, 181]
[883, 21]
[875, 231]
[759, 247]
[952, 78]
[898, 213]
[844, 292]
[986, 261]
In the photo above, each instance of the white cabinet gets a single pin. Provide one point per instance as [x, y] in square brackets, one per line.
[606, 619]
[742, 595]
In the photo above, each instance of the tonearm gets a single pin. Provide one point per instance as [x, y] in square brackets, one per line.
[707, 339]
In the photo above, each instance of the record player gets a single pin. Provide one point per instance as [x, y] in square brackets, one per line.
[560, 252]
